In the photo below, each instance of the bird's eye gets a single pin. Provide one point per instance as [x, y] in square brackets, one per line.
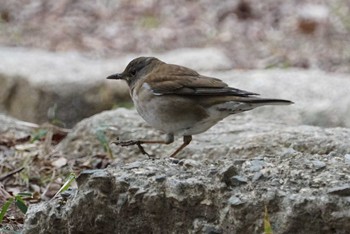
[133, 72]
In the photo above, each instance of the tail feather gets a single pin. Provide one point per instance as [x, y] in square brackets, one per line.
[248, 103]
[266, 101]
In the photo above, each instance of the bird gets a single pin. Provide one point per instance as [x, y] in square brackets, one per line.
[179, 101]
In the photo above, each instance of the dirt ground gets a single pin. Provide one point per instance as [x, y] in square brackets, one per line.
[253, 33]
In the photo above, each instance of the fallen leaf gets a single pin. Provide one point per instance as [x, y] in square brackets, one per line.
[60, 162]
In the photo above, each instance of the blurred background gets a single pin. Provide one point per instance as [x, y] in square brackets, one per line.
[252, 33]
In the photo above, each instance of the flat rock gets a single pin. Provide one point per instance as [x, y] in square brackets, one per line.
[238, 136]
[228, 177]
[11, 127]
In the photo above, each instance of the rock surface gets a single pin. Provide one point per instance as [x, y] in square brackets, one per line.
[15, 128]
[158, 196]
[228, 176]
[68, 87]
[239, 136]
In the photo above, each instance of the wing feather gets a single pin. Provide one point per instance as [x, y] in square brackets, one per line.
[180, 80]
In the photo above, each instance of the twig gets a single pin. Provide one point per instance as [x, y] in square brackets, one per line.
[3, 177]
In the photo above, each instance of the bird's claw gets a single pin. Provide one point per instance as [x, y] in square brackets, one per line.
[132, 142]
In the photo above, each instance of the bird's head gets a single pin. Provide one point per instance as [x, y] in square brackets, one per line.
[136, 69]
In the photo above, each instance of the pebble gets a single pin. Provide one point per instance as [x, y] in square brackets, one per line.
[235, 201]
[238, 180]
[318, 165]
[340, 190]
[347, 158]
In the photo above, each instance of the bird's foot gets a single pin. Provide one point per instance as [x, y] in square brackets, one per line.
[126, 143]
[132, 142]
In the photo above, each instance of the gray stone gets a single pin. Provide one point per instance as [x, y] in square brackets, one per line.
[110, 202]
[343, 190]
[238, 180]
[318, 164]
[133, 165]
[235, 201]
[197, 193]
[13, 133]
[14, 127]
[347, 158]
[226, 173]
[64, 103]
[160, 178]
[256, 165]
[258, 175]
[238, 137]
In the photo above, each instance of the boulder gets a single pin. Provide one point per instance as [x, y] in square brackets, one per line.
[242, 136]
[11, 127]
[221, 183]
[226, 181]
[230, 178]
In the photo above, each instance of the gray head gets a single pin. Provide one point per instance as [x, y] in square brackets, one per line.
[136, 69]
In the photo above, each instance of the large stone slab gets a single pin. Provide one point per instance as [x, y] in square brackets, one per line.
[15, 128]
[221, 182]
[239, 136]
[303, 185]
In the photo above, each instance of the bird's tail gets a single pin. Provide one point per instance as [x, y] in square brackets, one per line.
[248, 103]
[265, 101]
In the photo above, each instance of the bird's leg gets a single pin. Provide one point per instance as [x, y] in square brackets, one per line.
[168, 140]
[187, 140]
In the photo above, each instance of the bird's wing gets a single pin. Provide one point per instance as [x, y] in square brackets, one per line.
[184, 81]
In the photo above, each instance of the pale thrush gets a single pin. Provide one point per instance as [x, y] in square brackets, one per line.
[180, 102]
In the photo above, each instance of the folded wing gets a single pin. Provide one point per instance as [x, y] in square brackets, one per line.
[184, 81]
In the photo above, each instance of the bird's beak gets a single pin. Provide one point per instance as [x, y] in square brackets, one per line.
[117, 76]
